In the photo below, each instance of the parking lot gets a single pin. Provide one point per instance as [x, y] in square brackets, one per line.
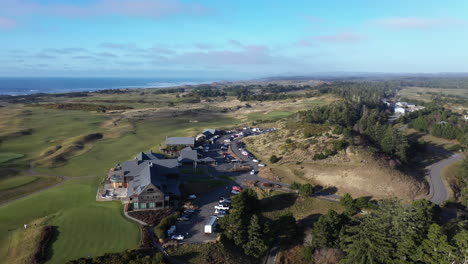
[193, 229]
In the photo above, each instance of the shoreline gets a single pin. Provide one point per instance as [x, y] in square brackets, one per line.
[55, 91]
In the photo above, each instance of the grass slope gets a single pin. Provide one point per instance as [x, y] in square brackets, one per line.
[20, 188]
[7, 156]
[86, 227]
[272, 116]
[14, 182]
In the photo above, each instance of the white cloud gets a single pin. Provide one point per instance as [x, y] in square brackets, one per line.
[415, 22]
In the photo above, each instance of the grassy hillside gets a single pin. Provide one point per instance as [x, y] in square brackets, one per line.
[86, 227]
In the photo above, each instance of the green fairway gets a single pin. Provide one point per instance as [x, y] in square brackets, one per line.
[49, 128]
[145, 136]
[7, 156]
[86, 227]
[274, 115]
[14, 182]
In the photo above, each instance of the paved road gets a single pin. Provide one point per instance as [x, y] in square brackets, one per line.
[438, 190]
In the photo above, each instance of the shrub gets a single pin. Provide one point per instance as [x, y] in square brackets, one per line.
[274, 159]
[306, 189]
[307, 253]
[295, 186]
[164, 225]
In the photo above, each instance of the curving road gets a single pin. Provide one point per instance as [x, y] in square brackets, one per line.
[438, 190]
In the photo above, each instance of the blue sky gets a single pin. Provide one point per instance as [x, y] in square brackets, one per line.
[230, 39]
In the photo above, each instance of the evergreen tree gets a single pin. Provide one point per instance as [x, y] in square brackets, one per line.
[255, 246]
[326, 231]
[435, 248]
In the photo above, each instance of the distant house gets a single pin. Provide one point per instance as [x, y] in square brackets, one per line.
[149, 180]
[400, 110]
[180, 141]
[190, 156]
[401, 104]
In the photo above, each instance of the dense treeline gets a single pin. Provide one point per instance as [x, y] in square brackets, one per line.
[83, 107]
[436, 82]
[138, 256]
[168, 90]
[439, 122]
[369, 93]
[245, 227]
[372, 125]
[393, 233]
[367, 122]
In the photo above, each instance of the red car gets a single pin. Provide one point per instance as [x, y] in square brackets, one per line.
[236, 188]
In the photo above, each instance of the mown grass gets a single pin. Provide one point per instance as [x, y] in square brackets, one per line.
[85, 227]
[272, 116]
[49, 128]
[8, 156]
[40, 182]
[146, 135]
[13, 182]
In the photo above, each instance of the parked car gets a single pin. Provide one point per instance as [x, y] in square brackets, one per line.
[235, 192]
[183, 218]
[177, 237]
[171, 230]
[261, 165]
[237, 188]
[189, 211]
[222, 207]
[225, 200]
[252, 172]
[220, 211]
[192, 196]
[254, 160]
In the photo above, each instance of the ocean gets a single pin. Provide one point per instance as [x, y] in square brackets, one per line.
[22, 86]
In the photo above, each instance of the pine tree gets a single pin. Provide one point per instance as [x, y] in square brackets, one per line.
[255, 246]
[435, 248]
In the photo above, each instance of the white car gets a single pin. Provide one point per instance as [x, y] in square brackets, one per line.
[221, 207]
[192, 196]
[177, 237]
[252, 172]
[235, 192]
[261, 165]
[254, 160]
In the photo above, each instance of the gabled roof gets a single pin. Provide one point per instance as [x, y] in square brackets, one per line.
[180, 141]
[150, 175]
[188, 154]
[211, 131]
[142, 156]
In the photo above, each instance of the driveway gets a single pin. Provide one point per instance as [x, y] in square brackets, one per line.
[438, 190]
